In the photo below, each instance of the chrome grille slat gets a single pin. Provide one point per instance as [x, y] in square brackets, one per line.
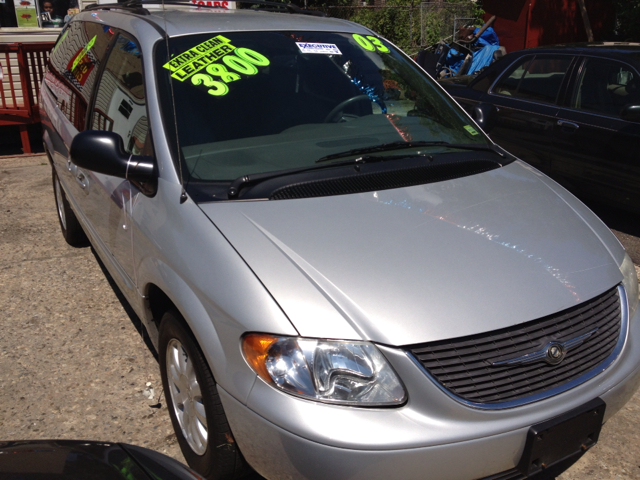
[606, 342]
[463, 366]
[443, 353]
[458, 381]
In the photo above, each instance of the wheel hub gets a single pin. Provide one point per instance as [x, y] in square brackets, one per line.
[186, 397]
[59, 204]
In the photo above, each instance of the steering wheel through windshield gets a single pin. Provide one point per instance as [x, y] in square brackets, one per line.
[335, 113]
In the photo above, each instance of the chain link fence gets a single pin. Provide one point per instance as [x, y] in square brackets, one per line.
[409, 27]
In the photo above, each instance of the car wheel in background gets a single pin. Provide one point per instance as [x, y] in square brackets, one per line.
[69, 224]
[197, 415]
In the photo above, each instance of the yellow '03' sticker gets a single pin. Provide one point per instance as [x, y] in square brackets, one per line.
[370, 43]
[471, 130]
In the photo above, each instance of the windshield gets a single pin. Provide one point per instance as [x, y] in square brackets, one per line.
[257, 102]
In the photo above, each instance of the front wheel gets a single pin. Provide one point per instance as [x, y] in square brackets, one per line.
[192, 398]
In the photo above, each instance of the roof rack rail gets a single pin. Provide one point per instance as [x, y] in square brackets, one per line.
[136, 6]
[133, 7]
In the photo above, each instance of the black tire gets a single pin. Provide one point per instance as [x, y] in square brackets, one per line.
[221, 459]
[71, 229]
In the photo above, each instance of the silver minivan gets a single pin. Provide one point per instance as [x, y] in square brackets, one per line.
[344, 277]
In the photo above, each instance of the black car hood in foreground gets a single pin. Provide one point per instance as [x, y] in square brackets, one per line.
[85, 460]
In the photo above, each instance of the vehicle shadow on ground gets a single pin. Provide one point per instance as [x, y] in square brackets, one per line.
[135, 320]
[625, 224]
[141, 329]
[617, 219]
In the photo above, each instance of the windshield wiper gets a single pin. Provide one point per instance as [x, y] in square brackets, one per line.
[248, 180]
[384, 147]
[252, 179]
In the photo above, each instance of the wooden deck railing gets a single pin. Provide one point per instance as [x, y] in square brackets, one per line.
[23, 66]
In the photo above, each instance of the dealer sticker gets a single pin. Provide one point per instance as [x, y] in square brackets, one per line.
[322, 48]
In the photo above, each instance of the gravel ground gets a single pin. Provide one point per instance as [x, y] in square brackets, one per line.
[73, 362]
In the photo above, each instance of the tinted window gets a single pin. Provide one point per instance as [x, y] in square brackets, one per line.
[253, 102]
[605, 87]
[74, 65]
[120, 100]
[534, 78]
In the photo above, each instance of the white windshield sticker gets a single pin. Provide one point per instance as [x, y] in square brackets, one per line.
[323, 48]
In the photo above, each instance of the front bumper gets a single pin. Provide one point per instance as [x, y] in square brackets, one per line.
[432, 436]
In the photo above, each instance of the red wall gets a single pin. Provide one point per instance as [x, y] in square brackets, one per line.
[531, 23]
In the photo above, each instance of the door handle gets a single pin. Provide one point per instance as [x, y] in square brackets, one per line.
[571, 125]
[81, 178]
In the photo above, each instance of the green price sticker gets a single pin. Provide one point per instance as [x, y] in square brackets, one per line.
[370, 43]
[471, 130]
[243, 61]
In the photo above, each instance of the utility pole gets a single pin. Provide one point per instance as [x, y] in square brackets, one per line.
[585, 19]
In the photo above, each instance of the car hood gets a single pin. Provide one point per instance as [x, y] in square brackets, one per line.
[427, 262]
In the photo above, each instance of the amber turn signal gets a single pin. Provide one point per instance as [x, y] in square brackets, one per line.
[255, 347]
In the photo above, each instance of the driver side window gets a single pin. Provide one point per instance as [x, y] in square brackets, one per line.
[536, 78]
[606, 87]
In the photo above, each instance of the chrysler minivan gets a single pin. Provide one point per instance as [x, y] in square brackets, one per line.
[343, 276]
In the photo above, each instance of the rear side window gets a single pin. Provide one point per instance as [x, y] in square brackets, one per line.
[606, 87]
[74, 65]
[536, 78]
[120, 104]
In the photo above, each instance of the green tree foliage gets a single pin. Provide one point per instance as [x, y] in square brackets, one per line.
[399, 21]
[628, 19]
[412, 26]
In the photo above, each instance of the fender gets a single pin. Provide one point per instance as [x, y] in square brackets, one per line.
[205, 289]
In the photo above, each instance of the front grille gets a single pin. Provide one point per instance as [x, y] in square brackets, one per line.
[464, 365]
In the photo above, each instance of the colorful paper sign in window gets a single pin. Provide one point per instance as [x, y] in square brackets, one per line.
[81, 64]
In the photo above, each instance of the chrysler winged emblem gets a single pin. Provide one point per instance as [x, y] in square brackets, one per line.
[553, 352]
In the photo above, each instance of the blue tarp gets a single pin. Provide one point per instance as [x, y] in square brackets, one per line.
[481, 58]
[488, 37]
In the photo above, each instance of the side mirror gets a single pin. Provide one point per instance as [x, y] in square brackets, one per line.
[485, 116]
[631, 113]
[104, 152]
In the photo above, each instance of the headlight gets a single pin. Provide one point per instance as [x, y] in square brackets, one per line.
[333, 371]
[630, 283]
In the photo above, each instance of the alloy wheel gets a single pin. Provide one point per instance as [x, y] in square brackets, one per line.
[186, 397]
[60, 204]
